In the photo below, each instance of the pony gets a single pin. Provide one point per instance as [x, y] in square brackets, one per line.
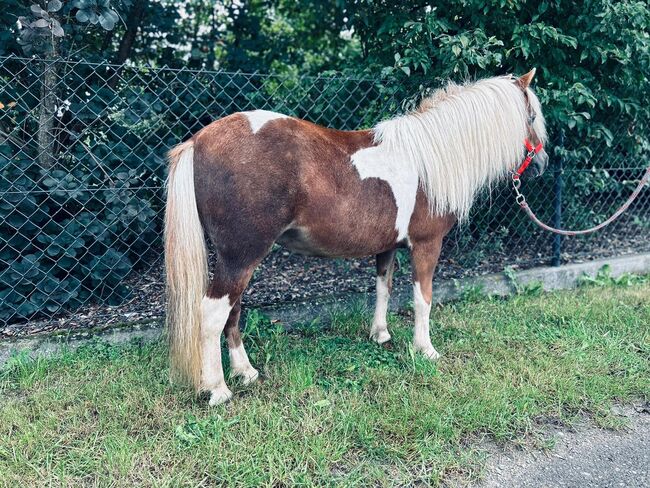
[256, 178]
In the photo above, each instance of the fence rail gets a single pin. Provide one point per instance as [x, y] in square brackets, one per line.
[82, 169]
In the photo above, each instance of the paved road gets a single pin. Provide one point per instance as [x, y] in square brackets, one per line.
[586, 457]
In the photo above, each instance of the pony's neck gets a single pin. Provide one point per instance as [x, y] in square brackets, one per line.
[461, 139]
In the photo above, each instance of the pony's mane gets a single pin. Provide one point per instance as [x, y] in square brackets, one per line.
[462, 138]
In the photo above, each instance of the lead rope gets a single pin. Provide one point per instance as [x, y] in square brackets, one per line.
[521, 200]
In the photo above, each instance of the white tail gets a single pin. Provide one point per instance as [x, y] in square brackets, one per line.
[186, 264]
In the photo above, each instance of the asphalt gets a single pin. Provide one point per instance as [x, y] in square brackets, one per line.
[584, 456]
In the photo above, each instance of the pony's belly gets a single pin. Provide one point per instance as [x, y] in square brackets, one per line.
[299, 242]
[354, 220]
[336, 242]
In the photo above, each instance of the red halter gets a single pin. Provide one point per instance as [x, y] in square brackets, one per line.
[532, 151]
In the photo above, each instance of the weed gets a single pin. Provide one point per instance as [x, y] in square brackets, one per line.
[403, 261]
[604, 278]
[472, 293]
[532, 288]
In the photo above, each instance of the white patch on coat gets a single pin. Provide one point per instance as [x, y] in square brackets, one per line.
[378, 162]
[215, 312]
[257, 118]
[240, 365]
[379, 330]
[421, 338]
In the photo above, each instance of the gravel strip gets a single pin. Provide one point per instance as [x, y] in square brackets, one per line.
[582, 457]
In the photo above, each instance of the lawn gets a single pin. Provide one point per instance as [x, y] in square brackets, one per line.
[333, 408]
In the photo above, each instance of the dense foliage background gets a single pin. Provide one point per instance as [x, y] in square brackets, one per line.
[82, 144]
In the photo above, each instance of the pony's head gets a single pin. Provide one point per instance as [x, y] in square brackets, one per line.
[536, 130]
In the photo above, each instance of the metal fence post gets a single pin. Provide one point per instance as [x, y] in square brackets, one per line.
[557, 204]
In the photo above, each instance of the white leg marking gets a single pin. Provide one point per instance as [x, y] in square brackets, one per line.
[421, 339]
[379, 330]
[240, 365]
[258, 118]
[215, 314]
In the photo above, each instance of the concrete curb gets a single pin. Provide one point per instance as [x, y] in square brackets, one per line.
[562, 277]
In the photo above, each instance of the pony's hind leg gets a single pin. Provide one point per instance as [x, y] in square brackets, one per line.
[215, 313]
[385, 264]
[239, 363]
[220, 307]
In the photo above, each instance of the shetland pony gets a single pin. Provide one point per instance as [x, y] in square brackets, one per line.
[251, 179]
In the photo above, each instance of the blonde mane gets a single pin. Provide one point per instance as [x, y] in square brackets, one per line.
[462, 138]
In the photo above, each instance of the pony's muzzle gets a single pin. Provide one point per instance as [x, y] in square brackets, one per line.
[538, 165]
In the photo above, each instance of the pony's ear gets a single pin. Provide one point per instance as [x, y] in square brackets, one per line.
[524, 81]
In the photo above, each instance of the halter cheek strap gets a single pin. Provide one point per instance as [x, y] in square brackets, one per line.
[532, 151]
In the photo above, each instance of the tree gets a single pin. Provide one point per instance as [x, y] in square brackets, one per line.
[591, 56]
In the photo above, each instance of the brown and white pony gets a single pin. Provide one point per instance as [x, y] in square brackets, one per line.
[255, 178]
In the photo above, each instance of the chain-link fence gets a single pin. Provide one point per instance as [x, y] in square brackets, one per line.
[82, 165]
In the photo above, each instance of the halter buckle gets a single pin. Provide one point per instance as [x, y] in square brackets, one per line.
[532, 151]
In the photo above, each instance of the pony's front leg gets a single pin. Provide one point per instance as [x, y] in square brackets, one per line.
[215, 313]
[424, 258]
[385, 265]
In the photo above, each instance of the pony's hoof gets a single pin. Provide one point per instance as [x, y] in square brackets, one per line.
[219, 395]
[430, 353]
[248, 376]
[380, 336]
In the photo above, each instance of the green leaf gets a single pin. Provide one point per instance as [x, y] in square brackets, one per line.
[82, 16]
[106, 22]
[54, 5]
[57, 31]
[40, 23]
[37, 10]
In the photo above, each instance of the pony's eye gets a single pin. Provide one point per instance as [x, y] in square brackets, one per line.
[531, 118]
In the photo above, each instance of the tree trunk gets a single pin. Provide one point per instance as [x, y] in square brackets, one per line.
[195, 62]
[136, 15]
[211, 61]
[47, 110]
[107, 41]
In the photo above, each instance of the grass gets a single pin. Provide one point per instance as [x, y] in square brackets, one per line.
[333, 408]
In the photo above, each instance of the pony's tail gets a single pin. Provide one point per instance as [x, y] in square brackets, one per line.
[186, 264]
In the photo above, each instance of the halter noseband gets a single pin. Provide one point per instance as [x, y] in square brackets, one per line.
[532, 151]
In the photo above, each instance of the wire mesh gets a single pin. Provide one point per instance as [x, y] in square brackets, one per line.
[82, 165]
